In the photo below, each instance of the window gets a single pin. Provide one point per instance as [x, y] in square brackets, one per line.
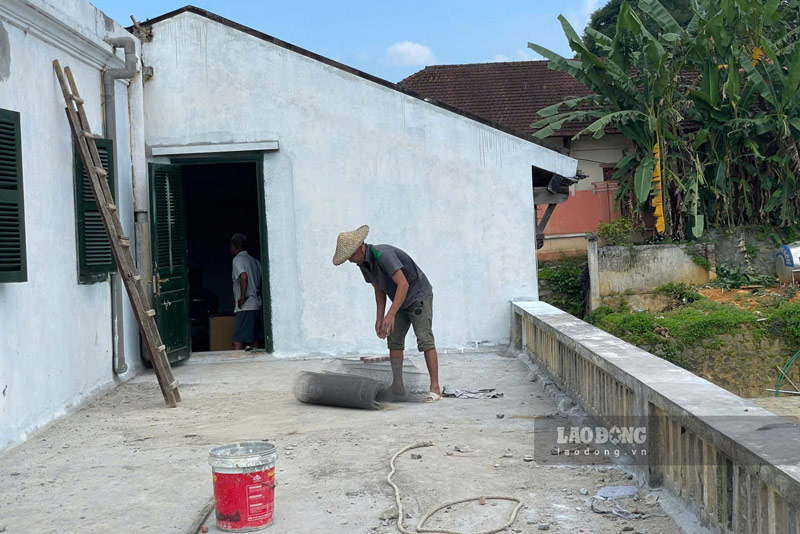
[13, 264]
[95, 259]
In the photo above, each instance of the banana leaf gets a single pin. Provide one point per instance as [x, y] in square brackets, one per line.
[719, 178]
[643, 179]
[624, 167]
[792, 84]
[659, 13]
[760, 85]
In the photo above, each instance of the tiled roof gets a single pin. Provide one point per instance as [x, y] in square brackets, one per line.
[509, 93]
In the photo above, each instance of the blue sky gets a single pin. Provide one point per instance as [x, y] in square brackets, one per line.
[393, 39]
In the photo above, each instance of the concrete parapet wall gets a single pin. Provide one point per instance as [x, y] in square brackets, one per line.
[735, 464]
[635, 272]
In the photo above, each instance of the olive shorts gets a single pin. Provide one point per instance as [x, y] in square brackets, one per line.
[420, 316]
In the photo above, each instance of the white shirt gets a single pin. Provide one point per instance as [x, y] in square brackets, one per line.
[245, 263]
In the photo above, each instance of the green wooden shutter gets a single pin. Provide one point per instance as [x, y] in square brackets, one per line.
[170, 238]
[13, 264]
[95, 259]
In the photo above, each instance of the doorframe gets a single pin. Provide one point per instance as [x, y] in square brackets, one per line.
[258, 159]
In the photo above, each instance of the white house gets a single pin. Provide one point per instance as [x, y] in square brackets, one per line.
[223, 129]
[512, 93]
[61, 334]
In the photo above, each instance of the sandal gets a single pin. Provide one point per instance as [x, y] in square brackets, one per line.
[432, 397]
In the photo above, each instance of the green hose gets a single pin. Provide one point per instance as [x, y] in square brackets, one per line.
[785, 373]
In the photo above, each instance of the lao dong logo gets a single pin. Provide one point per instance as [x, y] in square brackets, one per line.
[599, 435]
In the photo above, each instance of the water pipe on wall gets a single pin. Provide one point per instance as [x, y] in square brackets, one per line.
[109, 102]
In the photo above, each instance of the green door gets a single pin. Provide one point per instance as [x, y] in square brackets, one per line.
[168, 240]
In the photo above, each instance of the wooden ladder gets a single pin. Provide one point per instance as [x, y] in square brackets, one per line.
[120, 244]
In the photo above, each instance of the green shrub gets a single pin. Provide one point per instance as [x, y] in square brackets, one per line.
[729, 277]
[702, 261]
[679, 328]
[673, 331]
[784, 321]
[704, 319]
[617, 232]
[565, 281]
[681, 292]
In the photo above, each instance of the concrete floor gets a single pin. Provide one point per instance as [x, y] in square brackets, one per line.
[126, 463]
[786, 406]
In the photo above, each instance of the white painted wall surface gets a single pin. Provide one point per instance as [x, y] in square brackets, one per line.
[55, 334]
[592, 153]
[453, 193]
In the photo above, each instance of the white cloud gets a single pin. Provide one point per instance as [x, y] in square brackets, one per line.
[409, 53]
[500, 57]
[524, 54]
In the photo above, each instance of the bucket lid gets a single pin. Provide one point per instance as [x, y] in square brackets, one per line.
[251, 453]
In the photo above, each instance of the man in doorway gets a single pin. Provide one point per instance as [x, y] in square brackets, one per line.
[393, 273]
[246, 276]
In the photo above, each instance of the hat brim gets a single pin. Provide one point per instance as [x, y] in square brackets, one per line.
[348, 243]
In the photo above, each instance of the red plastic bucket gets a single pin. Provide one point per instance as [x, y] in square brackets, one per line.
[244, 485]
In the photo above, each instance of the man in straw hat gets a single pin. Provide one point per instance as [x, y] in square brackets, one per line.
[392, 272]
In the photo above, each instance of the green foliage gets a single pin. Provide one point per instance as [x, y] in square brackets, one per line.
[633, 327]
[604, 21]
[730, 277]
[681, 327]
[775, 235]
[617, 232]
[733, 68]
[764, 232]
[784, 321]
[673, 331]
[681, 292]
[566, 284]
[702, 261]
[788, 234]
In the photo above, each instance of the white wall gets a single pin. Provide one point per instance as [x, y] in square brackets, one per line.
[591, 153]
[55, 334]
[453, 193]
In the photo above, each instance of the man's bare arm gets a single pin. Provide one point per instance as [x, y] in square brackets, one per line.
[243, 288]
[380, 303]
[399, 298]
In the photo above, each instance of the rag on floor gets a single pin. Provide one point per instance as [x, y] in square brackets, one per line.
[449, 391]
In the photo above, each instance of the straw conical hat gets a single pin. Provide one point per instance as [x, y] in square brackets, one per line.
[347, 244]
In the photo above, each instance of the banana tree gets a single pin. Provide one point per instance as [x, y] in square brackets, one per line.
[635, 90]
[776, 79]
[744, 105]
[734, 70]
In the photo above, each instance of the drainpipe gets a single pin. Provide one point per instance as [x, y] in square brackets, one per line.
[109, 102]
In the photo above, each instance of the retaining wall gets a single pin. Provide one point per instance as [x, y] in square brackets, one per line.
[633, 273]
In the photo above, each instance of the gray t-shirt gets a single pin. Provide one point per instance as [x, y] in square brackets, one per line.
[245, 263]
[382, 261]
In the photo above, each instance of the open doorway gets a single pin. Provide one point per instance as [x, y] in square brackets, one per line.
[220, 200]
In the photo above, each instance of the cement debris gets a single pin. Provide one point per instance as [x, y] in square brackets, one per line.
[617, 492]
